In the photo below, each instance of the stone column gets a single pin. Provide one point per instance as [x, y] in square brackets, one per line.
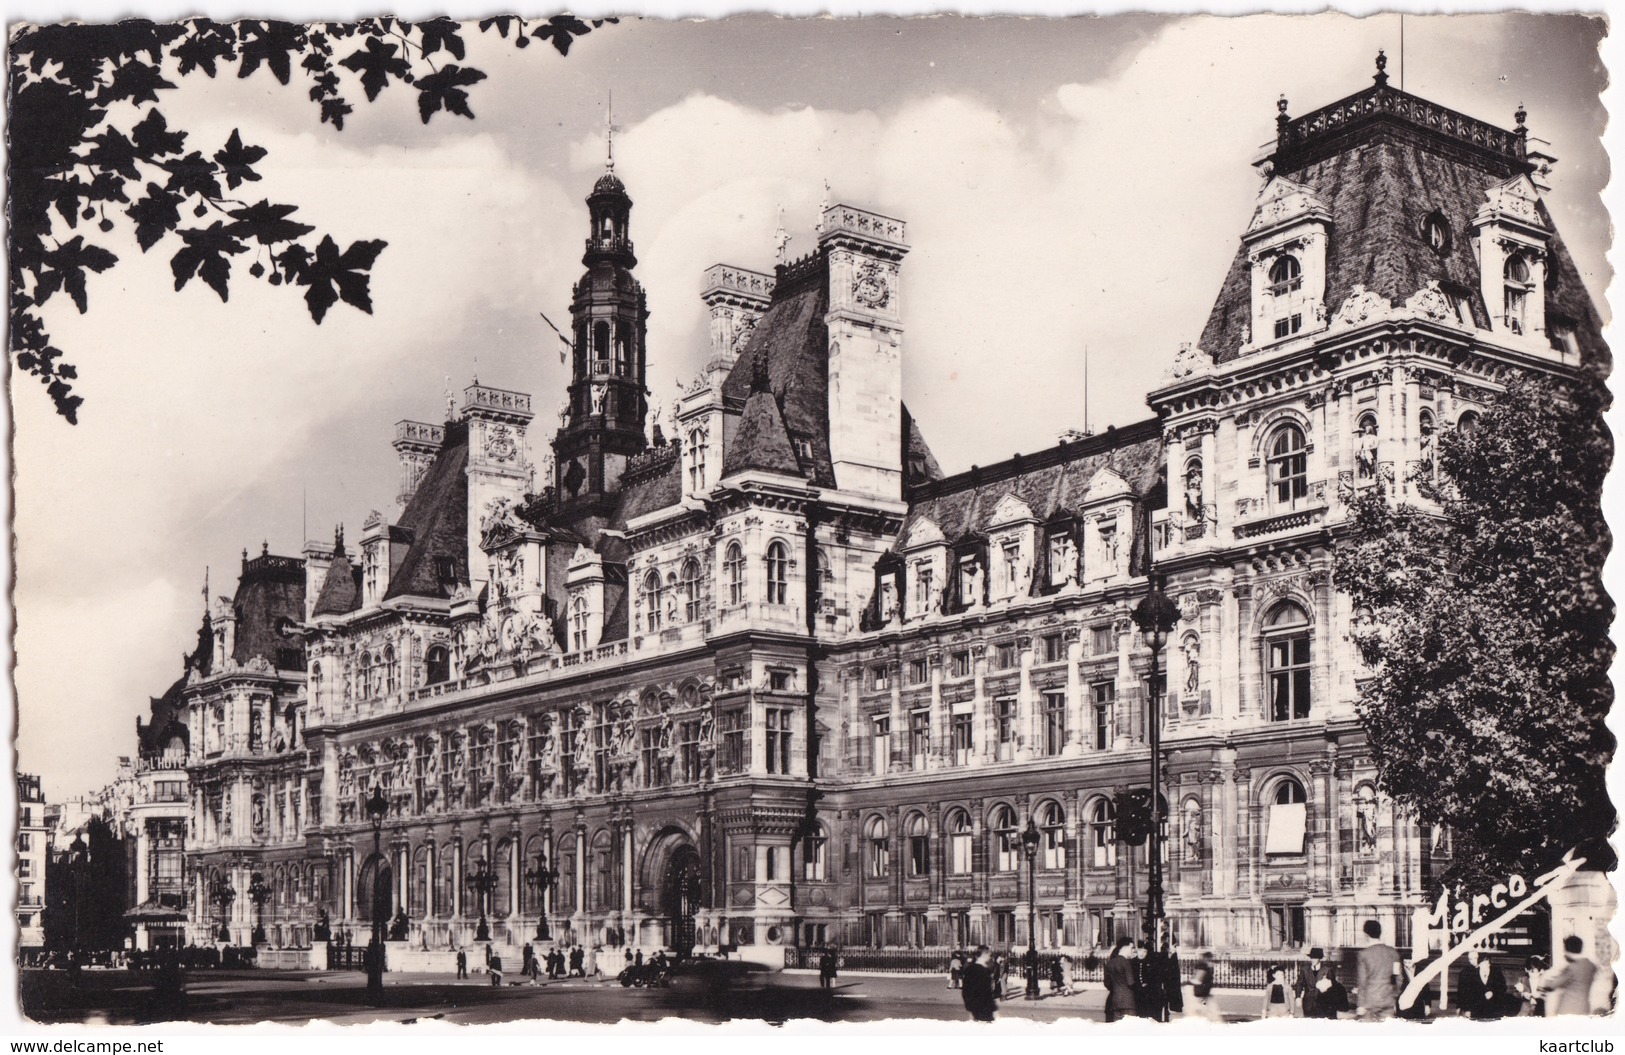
[1026, 706]
[899, 717]
[1077, 707]
[940, 746]
[1226, 824]
[431, 864]
[981, 722]
[143, 850]
[581, 867]
[626, 866]
[1251, 697]
[457, 878]
[1128, 692]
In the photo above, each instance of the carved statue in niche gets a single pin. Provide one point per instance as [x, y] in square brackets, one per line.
[933, 602]
[254, 733]
[1193, 665]
[1108, 543]
[1365, 819]
[1193, 490]
[599, 390]
[975, 580]
[1066, 572]
[708, 728]
[259, 814]
[1365, 452]
[1192, 828]
[888, 601]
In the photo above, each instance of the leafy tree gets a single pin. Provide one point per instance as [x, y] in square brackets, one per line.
[1488, 633]
[90, 147]
[85, 901]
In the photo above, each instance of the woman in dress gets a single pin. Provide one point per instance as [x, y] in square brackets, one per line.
[1279, 1000]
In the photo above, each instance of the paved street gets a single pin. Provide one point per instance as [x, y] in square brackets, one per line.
[237, 997]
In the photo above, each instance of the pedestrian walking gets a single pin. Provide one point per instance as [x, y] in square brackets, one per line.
[527, 964]
[979, 994]
[956, 969]
[1334, 999]
[826, 968]
[1528, 988]
[1122, 982]
[1060, 975]
[493, 966]
[577, 962]
[1376, 968]
[1568, 988]
[1311, 983]
[462, 963]
[1202, 1005]
[1279, 1001]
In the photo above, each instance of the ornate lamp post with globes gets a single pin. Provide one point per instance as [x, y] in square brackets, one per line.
[541, 878]
[1029, 850]
[377, 810]
[259, 892]
[1156, 615]
[484, 881]
[223, 894]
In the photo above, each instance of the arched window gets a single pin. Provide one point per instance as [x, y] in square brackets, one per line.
[578, 623]
[1286, 276]
[1365, 451]
[879, 849]
[1286, 662]
[1102, 834]
[623, 358]
[813, 854]
[388, 678]
[1052, 833]
[650, 600]
[437, 664]
[1288, 465]
[919, 846]
[364, 677]
[1006, 840]
[778, 573]
[961, 855]
[1468, 422]
[603, 873]
[689, 590]
[1518, 284]
[733, 570]
[1288, 819]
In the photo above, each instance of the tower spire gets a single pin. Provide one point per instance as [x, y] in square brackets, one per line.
[610, 128]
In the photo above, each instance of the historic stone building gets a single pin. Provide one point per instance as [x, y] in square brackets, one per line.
[769, 678]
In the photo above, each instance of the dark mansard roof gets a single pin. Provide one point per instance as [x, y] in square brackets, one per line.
[1053, 483]
[436, 520]
[1382, 161]
[270, 605]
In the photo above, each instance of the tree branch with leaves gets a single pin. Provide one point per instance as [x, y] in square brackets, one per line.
[90, 146]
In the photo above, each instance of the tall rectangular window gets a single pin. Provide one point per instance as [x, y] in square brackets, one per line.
[812, 856]
[735, 741]
[1105, 694]
[918, 671]
[778, 740]
[1004, 718]
[688, 750]
[919, 738]
[959, 665]
[1100, 641]
[652, 766]
[1054, 722]
[1054, 648]
[880, 733]
[960, 731]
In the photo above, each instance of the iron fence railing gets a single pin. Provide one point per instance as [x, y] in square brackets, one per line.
[1228, 972]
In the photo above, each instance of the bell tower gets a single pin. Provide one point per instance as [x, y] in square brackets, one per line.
[607, 405]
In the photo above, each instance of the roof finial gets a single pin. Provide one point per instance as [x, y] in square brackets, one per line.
[1281, 118]
[451, 401]
[610, 128]
[1521, 116]
[205, 589]
[823, 207]
[1382, 67]
[338, 540]
[781, 239]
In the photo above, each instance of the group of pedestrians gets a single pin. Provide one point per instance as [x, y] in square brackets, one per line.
[556, 963]
[1148, 984]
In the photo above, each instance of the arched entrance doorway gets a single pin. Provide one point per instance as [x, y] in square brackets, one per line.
[680, 894]
[374, 892]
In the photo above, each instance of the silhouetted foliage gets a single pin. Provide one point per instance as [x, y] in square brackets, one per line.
[89, 146]
[1487, 634]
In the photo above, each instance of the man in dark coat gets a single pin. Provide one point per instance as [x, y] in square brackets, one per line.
[462, 964]
[826, 968]
[1481, 989]
[1309, 987]
[978, 991]
[1122, 984]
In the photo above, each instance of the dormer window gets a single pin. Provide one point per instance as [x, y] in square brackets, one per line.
[578, 623]
[778, 573]
[696, 459]
[651, 600]
[1436, 232]
[733, 570]
[1517, 287]
[1288, 465]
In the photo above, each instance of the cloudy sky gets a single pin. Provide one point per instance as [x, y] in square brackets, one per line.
[1068, 184]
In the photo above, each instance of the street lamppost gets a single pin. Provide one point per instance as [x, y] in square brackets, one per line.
[1156, 615]
[377, 810]
[259, 892]
[223, 894]
[78, 866]
[484, 881]
[541, 879]
[1029, 850]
